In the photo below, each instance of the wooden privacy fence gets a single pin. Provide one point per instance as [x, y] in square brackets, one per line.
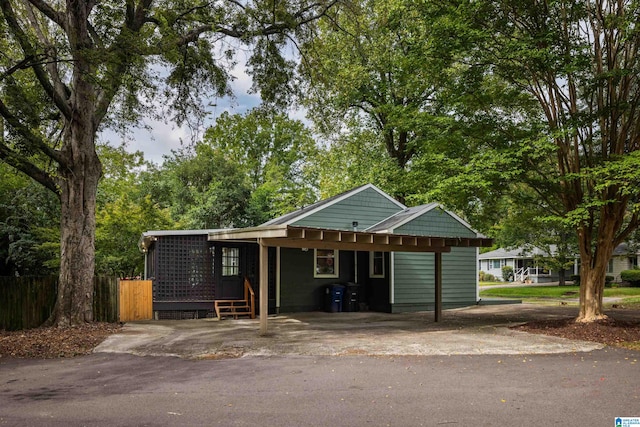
[136, 300]
[26, 302]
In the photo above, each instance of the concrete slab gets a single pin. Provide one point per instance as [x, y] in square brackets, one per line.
[469, 331]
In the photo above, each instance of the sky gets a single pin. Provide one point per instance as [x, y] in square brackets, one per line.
[159, 138]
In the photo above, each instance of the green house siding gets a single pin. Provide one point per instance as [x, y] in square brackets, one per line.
[299, 290]
[368, 207]
[414, 287]
[414, 274]
[436, 222]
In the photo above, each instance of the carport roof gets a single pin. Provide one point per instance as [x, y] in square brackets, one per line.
[289, 236]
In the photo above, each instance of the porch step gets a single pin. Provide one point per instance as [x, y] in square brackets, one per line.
[232, 307]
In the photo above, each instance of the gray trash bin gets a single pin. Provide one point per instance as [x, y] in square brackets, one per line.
[351, 299]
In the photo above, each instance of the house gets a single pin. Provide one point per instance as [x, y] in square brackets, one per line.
[393, 258]
[624, 258]
[525, 266]
[522, 260]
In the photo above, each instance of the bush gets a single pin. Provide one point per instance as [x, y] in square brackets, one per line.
[481, 276]
[507, 273]
[489, 278]
[631, 276]
[608, 280]
[575, 278]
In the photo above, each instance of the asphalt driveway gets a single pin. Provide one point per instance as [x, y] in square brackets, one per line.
[320, 369]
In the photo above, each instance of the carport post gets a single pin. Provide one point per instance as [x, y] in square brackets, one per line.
[264, 286]
[438, 286]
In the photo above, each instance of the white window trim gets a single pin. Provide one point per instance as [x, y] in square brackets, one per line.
[336, 265]
[232, 269]
[371, 274]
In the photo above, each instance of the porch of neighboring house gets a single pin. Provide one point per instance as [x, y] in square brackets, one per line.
[527, 271]
[525, 267]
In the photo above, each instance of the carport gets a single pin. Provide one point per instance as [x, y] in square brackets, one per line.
[288, 236]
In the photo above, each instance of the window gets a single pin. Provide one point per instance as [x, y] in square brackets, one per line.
[496, 263]
[376, 264]
[326, 263]
[610, 266]
[230, 261]
[633, 262]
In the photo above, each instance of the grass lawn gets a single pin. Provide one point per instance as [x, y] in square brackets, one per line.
[491, 283]
[630, 295]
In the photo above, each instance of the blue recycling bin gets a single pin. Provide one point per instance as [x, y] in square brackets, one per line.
[333, 295]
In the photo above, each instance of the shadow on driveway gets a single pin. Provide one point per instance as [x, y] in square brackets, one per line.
[471, 330]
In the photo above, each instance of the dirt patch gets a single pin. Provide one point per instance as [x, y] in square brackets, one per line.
[51, 343]
[609, 331]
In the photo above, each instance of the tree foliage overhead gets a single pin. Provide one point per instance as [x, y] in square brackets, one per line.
[274, 152]
[29, 217]
[68, 68]
[381, 66]
[578, 60]
[125, 209]
[247, 169]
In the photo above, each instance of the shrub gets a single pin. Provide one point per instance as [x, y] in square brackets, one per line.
[576, 279]
[489, 277]
[507, 273]
[631, 276]
[481, 276]
[608, 280]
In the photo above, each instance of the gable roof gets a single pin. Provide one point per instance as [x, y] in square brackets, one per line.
[409, 214]
[518, 253]
[291, 217]
[623, 249]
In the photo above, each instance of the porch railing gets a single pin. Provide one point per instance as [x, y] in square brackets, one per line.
[250, 295]
[521, 274]
[238, 307]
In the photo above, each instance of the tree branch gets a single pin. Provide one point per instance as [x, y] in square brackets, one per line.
[20, 163]
[21, 65]
[52, 65]
[27, 48]
[50, 13]
[135, 18]
[33, 141]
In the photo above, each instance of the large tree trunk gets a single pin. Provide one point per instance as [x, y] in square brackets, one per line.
[593, 271]
[78, 189]
[79, 173]
[591, 292]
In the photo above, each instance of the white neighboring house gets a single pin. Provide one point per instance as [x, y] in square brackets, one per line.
[525, 267]
[623, 258]
[522, 261]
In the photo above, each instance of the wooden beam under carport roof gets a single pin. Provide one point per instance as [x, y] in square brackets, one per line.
[287, 236]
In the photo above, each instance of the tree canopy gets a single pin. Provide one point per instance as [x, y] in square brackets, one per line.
[520, 116]
[70, 68]
[578, 150]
